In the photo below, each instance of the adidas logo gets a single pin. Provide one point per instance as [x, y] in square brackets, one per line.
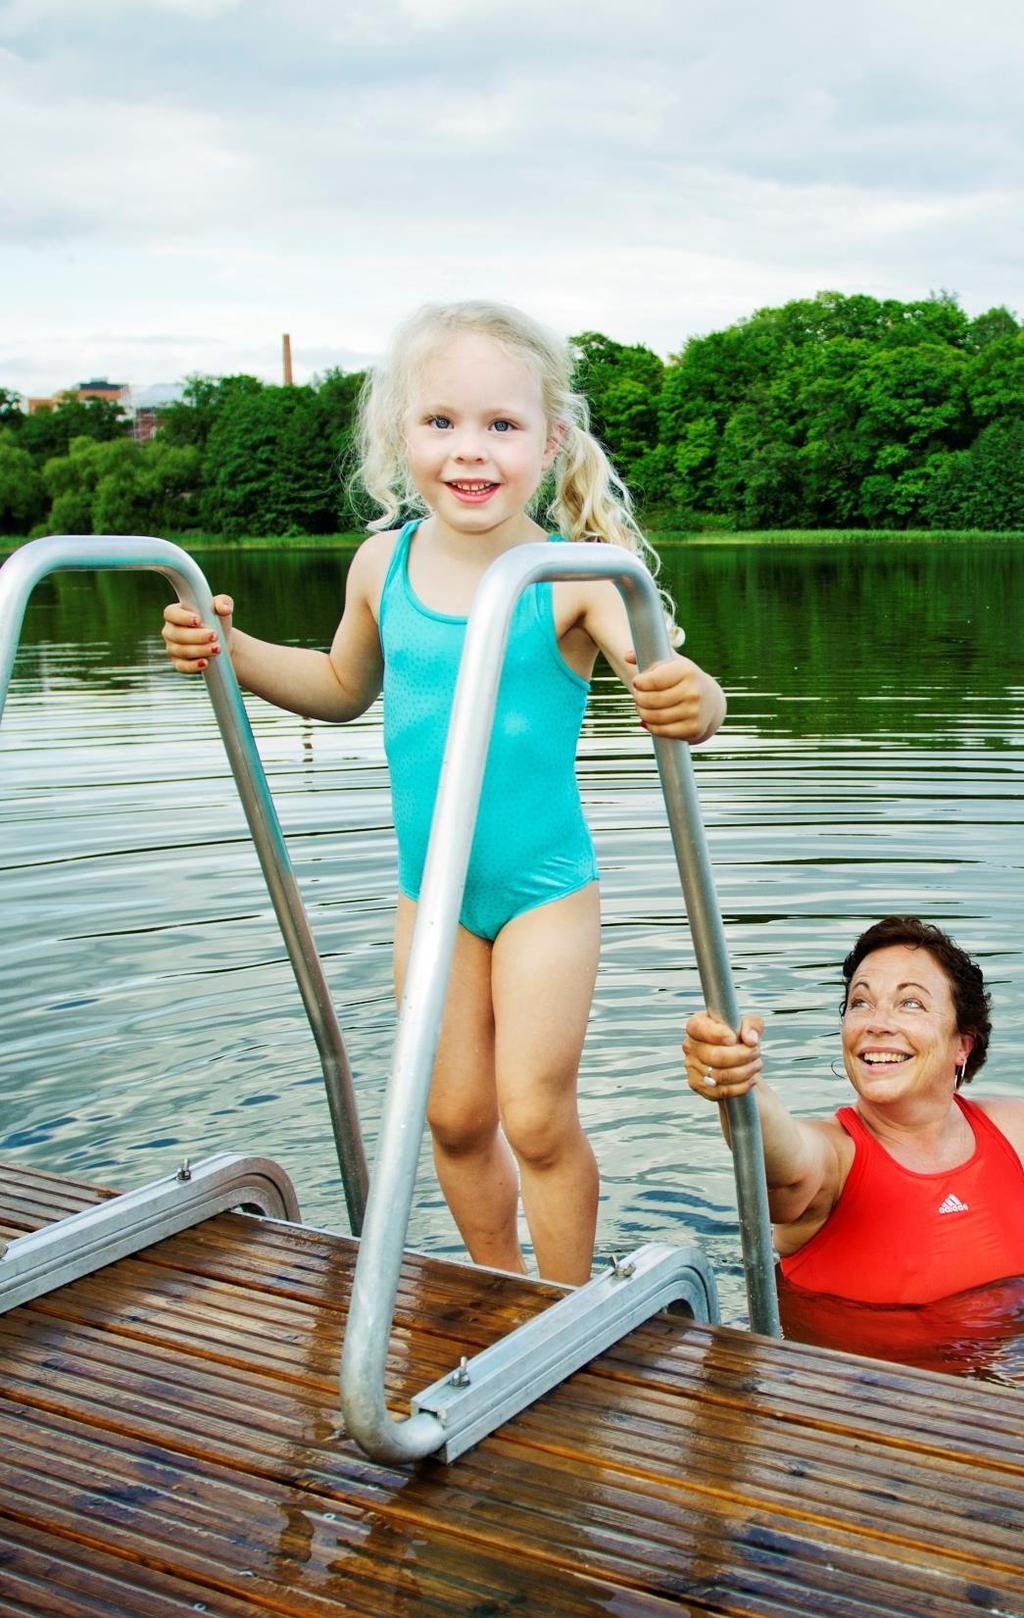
[953, 1204]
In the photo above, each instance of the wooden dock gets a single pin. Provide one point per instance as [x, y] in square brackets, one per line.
[168, 1446]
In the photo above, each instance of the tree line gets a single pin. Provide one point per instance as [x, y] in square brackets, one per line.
[839, 411]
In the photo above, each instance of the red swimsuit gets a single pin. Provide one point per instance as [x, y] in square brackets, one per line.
[898, 1237]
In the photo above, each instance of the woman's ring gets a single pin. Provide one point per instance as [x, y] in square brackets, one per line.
[709, 1079]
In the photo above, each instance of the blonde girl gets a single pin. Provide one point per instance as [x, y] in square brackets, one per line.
[468, 414]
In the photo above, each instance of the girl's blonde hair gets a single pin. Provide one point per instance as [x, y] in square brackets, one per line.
[589, 500]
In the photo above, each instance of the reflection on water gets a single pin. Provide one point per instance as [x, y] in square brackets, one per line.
[978, 1333]
[872, 761]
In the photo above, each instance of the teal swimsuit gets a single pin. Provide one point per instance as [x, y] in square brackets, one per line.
[531, 843]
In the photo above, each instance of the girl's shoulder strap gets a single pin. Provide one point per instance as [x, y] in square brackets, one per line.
[396, 566]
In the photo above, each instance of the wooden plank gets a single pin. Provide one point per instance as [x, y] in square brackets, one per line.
[168, 1437]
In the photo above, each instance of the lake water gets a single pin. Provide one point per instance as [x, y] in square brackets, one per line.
[873, 761]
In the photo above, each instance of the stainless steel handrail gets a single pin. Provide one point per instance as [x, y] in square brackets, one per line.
[375, 1285]
[18, 577]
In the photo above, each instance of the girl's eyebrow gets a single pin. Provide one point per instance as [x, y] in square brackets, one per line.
[438, 408]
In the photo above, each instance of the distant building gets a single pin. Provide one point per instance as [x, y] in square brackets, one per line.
[98, 388]
[141, 405]
[145, 404]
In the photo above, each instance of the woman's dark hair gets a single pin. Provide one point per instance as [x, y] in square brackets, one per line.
[970, 1001]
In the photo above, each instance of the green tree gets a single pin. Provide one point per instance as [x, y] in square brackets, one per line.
[982, 487]
[71, 480]
[757, 476]
[990, 327]
[272, 463]
[191, 419]
[49, 432]
[994, 379]
[22, 491]
[621, 383]
[153, 493]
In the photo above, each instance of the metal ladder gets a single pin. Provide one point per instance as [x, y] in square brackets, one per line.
[482, 1392]
[45, 1259]
[479, 1394]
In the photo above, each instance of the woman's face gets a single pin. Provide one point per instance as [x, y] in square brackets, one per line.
[899, 1032]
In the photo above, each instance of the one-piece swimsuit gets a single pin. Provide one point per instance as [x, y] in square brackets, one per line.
[531, 844]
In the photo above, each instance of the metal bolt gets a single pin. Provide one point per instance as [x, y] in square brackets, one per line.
[183, 1174]
[621, 1271]
[460, 1378]
[330, 1516]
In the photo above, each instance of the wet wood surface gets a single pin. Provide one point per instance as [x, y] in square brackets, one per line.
[169, 1444]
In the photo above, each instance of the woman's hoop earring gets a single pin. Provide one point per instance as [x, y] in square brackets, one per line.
[835, 1071]
[960, 1074]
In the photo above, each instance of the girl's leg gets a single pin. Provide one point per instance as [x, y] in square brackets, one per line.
[475, 1168]
[543, 970]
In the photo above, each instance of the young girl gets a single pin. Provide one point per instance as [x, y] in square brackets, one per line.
[470, 410]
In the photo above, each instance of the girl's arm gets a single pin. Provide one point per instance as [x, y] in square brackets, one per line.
[673, 698]
[804, 1161]
[335, 685]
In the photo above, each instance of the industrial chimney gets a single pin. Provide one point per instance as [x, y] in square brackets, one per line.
[286, 347]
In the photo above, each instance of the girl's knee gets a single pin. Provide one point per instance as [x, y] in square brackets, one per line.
[458, 1129]
[539, 1134]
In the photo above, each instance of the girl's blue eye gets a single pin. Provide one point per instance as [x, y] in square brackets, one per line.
[502, 426]
[439, 421]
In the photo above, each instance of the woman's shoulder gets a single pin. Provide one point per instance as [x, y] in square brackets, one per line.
[1007, 1113]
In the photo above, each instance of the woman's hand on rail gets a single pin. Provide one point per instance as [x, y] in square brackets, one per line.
[720, 1063]
[190, 643]
[677, 698]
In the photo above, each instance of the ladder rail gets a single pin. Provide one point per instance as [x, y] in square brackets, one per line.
[19, 575]
[375, 1283]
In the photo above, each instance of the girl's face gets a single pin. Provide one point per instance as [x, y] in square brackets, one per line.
[477, 439]
[900, 1037]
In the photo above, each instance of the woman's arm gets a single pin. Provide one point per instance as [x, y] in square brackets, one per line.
[805, 1165]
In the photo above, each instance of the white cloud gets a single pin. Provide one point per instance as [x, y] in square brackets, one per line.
[195, 176]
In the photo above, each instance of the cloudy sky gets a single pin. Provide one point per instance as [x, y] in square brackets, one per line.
[184, 180]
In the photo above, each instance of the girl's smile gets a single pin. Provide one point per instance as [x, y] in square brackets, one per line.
[472, 494]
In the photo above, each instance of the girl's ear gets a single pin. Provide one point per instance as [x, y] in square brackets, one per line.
[556, 436]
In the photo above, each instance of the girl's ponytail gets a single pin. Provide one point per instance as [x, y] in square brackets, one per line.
[591, 502]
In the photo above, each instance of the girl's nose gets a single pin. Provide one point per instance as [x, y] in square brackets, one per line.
[468, 446]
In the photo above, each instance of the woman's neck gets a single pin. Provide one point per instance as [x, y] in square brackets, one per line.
[925, 1134]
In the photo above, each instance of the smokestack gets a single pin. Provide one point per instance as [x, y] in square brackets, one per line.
[286, 347]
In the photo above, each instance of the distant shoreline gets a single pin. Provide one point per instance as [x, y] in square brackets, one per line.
[669, 539]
